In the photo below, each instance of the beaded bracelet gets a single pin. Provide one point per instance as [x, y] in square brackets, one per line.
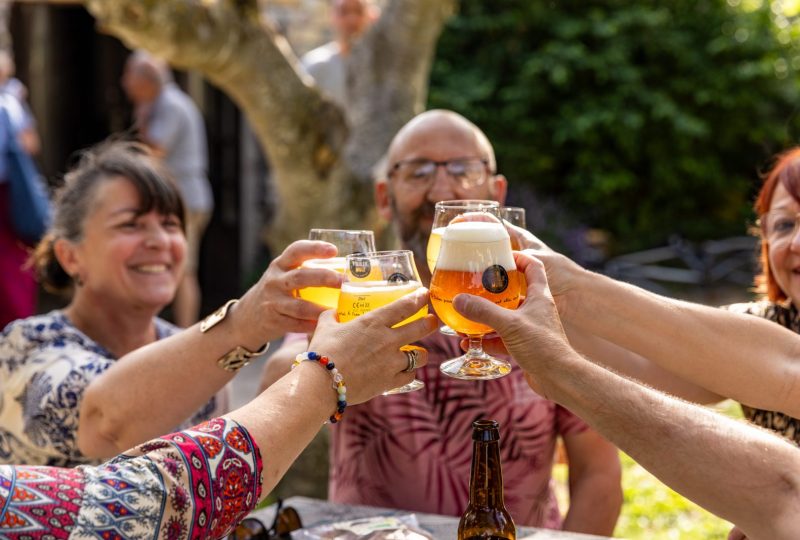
[338, 381]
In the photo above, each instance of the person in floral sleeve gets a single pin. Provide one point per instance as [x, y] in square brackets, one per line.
[200, 482]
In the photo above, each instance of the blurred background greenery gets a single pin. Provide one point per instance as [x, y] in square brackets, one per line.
[642, 137]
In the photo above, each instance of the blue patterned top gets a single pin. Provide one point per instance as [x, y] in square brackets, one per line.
[46, 363]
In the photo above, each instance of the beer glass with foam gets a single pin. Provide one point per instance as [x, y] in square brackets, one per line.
[346, 242]
[444, 213]
[475, 258]
[372, 280]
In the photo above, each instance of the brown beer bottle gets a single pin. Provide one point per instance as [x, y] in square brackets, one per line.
[486, 517]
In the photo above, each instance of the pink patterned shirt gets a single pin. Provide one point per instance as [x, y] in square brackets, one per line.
[196, 483]
[413, 451]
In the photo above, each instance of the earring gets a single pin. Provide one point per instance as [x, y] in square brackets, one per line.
[78, 280]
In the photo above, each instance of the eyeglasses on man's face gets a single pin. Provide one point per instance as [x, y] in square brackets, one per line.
[779, 225]
[468, 173]
[286, 520]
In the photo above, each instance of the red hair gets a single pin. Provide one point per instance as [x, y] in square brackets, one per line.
[786, 170]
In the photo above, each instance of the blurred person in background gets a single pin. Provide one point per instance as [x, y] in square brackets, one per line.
[328, 63]
[169, 121]
[17, 282]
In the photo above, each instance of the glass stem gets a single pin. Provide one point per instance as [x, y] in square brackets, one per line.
[475, 346]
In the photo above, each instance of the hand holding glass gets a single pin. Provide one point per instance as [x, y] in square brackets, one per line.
[475, 258]
[346, 242]
[372, 280]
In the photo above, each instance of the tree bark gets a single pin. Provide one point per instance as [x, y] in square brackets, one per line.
[322, 173]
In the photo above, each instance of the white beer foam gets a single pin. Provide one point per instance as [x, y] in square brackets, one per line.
[375, 287]
[473, 246]
[334, 263]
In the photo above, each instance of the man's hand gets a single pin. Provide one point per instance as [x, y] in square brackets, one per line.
[532, 334]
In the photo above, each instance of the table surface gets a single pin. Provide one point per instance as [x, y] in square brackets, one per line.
[314, 512]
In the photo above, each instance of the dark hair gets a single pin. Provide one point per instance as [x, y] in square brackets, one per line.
[74, 200]
[786, 170]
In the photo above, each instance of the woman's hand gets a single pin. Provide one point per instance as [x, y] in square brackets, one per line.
[532, 334]
[271, 308]
[366, 350]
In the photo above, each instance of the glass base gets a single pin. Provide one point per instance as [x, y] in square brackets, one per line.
[475, 367]
[410, 387]
[447, 331]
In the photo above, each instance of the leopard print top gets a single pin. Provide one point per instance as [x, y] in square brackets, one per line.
[788, 317]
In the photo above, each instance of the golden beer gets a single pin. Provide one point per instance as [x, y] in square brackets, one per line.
[434, 244]
[475, 258]
[360, 297]
[324, 296]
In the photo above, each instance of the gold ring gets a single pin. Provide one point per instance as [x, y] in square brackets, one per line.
[412, 356]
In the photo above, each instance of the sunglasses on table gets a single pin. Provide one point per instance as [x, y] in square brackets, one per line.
[286, 520]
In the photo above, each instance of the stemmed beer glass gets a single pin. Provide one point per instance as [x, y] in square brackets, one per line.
[346, 242]
[372, 280]
[444, 212]
[475, 258]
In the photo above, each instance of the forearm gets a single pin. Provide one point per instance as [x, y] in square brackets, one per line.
[610, 355]
[279, 363]
[751, 360]
[739, 472]
[285, 417]
[153, 389]
[594, 504]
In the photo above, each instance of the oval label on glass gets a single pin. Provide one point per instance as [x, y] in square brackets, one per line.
[495, 279]
[398, 277]
[360, 267]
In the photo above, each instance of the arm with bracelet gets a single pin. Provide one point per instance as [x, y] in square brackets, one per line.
[241, 455]
[137, 398]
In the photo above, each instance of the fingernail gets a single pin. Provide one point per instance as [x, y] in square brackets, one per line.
[461, 301]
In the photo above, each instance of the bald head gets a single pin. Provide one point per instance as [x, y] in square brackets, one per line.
[440, 131]
[144, 76]
[441, 137]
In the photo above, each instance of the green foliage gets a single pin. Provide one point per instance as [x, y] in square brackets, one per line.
[643, 118]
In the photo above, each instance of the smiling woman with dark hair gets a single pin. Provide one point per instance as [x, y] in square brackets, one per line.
[117, 245]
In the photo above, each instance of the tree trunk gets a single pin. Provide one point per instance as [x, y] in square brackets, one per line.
[323, 175]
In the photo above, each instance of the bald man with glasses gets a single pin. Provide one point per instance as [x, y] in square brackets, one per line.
[412, 451]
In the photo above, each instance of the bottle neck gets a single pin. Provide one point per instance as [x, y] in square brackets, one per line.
[486, 479]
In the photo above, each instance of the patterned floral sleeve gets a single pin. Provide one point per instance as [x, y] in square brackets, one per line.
[196, 483]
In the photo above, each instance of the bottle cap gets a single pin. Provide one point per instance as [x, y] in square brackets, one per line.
[485, 430]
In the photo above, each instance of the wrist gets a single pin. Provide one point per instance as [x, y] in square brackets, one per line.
[240, 355]
[242, 326]
[338, 384]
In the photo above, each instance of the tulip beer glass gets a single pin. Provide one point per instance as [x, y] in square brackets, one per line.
[444, 212]
[475, 258]
[372, 280]
[346, 242]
